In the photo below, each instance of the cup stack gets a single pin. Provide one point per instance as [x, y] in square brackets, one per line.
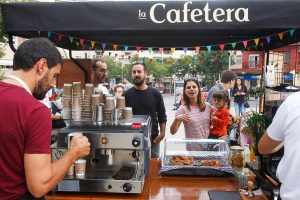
[101, 95]
[86, 106]
[109, 106]
[77, 101]
[128, 113]
[121, 105]
[67, 101]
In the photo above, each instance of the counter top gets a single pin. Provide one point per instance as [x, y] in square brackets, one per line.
[164, 187]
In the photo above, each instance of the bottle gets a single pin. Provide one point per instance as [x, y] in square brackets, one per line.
[256, 163]
[252, 154]
[247, 153]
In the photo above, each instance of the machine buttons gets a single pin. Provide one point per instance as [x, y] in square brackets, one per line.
[109, 186]
[127, 187]
[104, 140]
[136, 142]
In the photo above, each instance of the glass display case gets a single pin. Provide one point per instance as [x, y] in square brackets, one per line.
[204, 157]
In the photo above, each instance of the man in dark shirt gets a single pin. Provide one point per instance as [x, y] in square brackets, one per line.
[146, 100]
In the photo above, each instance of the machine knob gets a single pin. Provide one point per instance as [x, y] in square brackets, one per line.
[127, 187]
[136, 142]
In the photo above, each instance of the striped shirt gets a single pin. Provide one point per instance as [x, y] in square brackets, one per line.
[199, 122]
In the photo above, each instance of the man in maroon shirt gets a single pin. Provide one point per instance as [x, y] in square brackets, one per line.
[26, 171]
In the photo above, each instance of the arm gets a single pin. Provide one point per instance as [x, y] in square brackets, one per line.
[267, 145]
[175, 125]
[161, 135]
[42, 175]
[162, 118]
[224, 120]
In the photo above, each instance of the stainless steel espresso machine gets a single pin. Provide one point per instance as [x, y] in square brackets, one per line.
[119, 158]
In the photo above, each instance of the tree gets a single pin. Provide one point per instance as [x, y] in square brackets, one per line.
[114, 68]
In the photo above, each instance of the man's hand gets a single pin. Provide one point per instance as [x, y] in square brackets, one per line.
[80, 145]
[183, 118]
[158, 139]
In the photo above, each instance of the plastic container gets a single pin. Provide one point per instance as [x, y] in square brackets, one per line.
[236, 157]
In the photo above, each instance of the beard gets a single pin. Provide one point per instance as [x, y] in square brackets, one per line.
[138, 81]
[42, 88]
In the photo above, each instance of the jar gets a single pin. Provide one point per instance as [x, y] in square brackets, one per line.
[236, 158]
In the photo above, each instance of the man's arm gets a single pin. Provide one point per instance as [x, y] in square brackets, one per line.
[162, 133]
[42, 175]
[267, 145]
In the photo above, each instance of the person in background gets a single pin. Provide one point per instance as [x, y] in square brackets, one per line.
[99, 75]
[127, 85]
[26, 171]
[118, 90]
[227, 82]
[194, 113]
[239, 92]
[284, 131]
[220, 117]
[146, 100]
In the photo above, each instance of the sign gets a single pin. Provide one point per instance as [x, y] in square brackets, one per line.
[287, 76]
[249, 77]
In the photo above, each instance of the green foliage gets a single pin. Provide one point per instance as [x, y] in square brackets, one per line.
[1, 74]
[114, 68]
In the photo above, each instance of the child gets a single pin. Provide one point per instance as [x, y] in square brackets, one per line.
[220, 118]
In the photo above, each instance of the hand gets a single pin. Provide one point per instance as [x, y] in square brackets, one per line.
[80, 145]
[158, 139]
[213, 118]
[55, 117]
[183, 118]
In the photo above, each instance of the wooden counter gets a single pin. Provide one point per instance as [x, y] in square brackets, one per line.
[163, 188]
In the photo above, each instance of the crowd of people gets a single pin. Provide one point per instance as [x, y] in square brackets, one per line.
[25, 125]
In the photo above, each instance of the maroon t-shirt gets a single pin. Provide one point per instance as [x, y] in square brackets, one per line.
[25, 127]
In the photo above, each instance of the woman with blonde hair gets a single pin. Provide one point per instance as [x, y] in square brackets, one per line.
[194, 113]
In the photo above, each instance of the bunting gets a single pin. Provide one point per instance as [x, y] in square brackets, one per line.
[161, 50]
[90, 44]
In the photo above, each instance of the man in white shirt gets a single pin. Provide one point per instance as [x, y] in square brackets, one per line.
[99, 75]
[285, 129]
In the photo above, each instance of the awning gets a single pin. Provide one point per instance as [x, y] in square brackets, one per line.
[213, 24]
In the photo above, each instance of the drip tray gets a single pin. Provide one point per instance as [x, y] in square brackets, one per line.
[94, 174]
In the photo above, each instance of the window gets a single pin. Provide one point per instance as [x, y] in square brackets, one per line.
[253, 60]
[286, 59]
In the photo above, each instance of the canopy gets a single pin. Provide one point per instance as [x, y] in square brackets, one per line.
[122, 25]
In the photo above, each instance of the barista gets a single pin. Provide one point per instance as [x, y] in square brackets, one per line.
[99, 75]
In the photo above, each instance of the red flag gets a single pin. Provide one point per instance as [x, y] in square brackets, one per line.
[138, 48]
[245, 42]
[81, 41]
[222, 46]
[115, 46]
[60, 36]
[280, 35]
[161, 50]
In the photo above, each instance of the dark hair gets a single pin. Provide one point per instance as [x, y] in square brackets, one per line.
[227, 75]
[186, 100]
[32, 50]
[221, 95]
[118, 86]
[242, 83]
[139, 62]
[94, 63]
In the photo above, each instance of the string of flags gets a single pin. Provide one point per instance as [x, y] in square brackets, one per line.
[90, 44]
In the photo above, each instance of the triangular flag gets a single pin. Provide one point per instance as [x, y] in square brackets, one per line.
[172, 50]
[197, 49]
[126, 47]
[161, 50]
[185, 49]
[233, 45]
[208, 48]
[71, 39]
[115, 46]
[256, 41]
[222, 46]
[268, 39]
[49, 34]
[93, 44]
[138, 48]
[81, 41]
[60, 36]
[292, 32]
[280, 35]
[245, 42]
[103, 46]
[150, 49]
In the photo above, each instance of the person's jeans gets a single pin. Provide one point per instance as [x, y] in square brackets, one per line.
[239, 108]
[155, 150]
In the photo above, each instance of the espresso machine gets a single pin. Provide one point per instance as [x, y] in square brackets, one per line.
[119, 158]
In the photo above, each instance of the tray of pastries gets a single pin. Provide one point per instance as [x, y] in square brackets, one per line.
[179, 160]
